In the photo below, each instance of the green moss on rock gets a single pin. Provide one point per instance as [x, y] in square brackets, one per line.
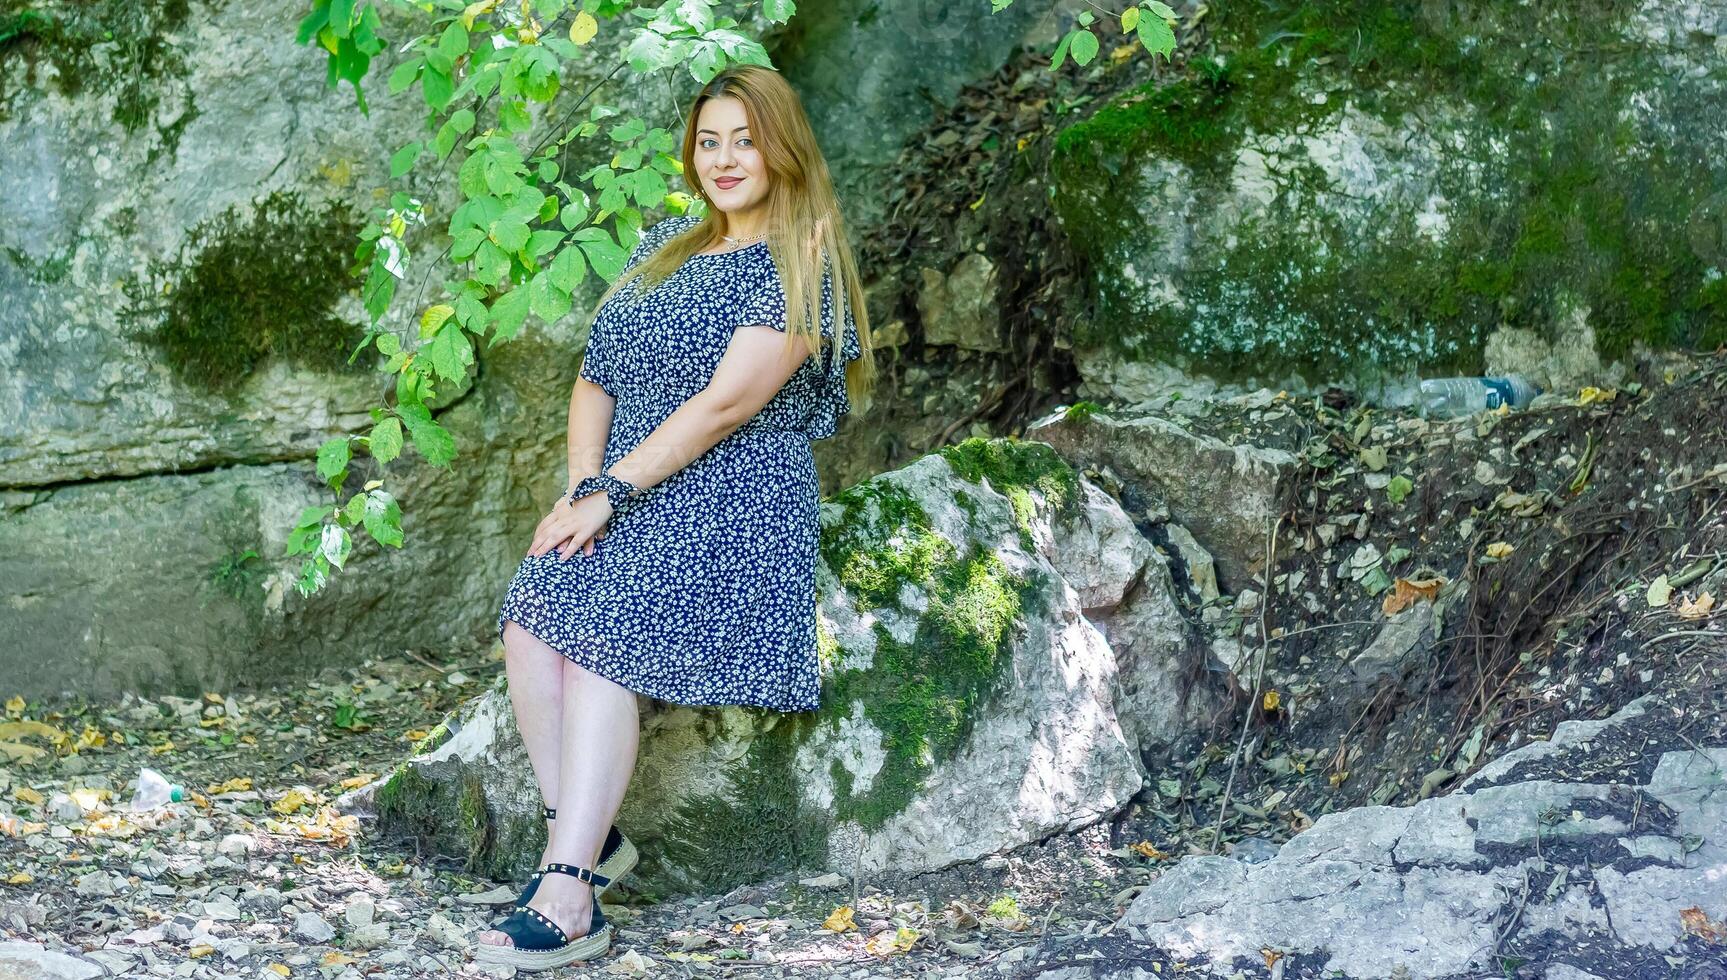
[924, 695]
[1015, 467]
[95, 47]
[758, 826]
[1563, 182]
[246, 288]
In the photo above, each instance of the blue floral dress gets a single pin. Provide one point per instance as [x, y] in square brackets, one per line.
[703, 594]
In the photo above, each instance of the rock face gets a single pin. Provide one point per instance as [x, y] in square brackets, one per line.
[1358, 193]
[1226, 495]
[969, 703]
[1581, 853]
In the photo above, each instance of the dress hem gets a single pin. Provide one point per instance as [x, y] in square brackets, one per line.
[631, 686]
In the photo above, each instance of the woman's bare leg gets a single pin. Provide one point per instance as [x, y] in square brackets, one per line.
[600, 738]
[535, 674]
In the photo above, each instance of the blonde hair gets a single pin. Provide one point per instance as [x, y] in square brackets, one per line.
[806, 231]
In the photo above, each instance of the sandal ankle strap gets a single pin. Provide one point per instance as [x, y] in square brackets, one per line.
[549, 813]
[599, 881]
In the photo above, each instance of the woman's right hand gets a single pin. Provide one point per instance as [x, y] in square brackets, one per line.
[548, 533]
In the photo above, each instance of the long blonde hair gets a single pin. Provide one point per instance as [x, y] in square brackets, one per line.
[804, 221]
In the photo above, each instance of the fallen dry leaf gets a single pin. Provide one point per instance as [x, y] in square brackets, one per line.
[1696, 922]
[1146, 849]
[1405, 591]
[839, 920]
[1499, 549]
[1697, 608]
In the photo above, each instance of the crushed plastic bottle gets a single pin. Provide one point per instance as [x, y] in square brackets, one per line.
[154, 789]
[1453, 397]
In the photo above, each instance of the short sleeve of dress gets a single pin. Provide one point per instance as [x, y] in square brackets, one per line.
[765, 305]
[597, 361]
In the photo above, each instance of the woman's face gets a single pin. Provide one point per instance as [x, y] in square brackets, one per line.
[731, 168]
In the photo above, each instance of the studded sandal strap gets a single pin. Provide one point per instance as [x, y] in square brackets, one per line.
[586, 874]
[530, 929]
[549, 812]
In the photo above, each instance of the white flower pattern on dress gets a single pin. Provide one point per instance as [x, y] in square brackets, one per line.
[704, 594]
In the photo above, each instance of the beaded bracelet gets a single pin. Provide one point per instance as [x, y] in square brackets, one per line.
[623, 495]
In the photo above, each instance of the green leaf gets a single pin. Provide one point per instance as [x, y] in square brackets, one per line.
[568, 269]
[405, 74]
[1398, 488]
[508, 313]
[335, 544]
[779, 11]
[1061, 51]
[465, 242]
[333, 458]
[491, 264]
[541, 242]
[602, 253]
[1084, 47]
[383, 519]
[548, 302]
[404, 159]
[431, 439]
[513, 117]
[355, 510]
[1156, 34]
[451, 353]
[454, 42]
[510, 235]
[386, 440]
[388, 344]
[436, 87]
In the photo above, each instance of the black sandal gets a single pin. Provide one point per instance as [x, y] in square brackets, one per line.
[617, 857]
[538, 943]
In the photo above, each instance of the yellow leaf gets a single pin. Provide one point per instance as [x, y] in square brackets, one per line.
[1499, 549]
[336, 957]
[356, 781]
[1122, 53]
[90, 738]
[1020, 146]
[839, 920]
[213, 697]
[1271, 700]
[202, 949]
[373, 484]
[160, 749]
[15, 705]
[415, 734]
[21, 878]
[737, 927]
[90, 799]
[1592, 395]
[18, 729]
[433, 318]
[471, 11]
[290, 802]
[280, 969]
[25, 794]
[583, 28]
[1147, 849]
[1129, 20]
[974, 205]
[1697, 608]
[239, 784]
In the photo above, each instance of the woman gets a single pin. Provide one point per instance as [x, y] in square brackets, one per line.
[681, 563]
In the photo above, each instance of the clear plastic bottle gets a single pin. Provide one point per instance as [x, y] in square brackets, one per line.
[1452, 397]
[154, 789]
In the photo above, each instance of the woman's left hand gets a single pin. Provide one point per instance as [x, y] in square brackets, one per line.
[571, 527]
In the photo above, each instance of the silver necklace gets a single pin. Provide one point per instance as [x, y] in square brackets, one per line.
[736, 241]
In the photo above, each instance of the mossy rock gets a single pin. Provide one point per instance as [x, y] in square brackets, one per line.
[1222, 211]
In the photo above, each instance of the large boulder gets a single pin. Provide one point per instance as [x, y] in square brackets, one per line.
[968, 704]
[1603, 850]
